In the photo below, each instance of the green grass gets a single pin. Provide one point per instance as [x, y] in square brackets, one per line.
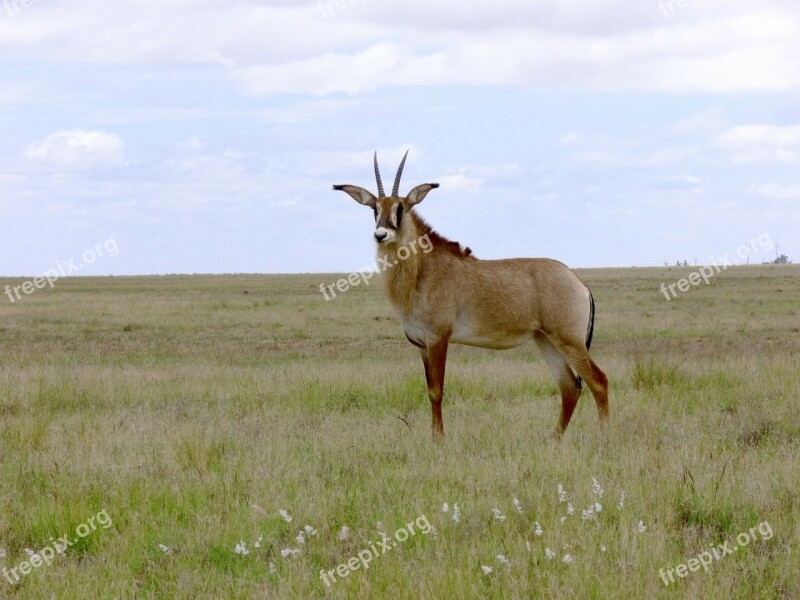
[192, 409]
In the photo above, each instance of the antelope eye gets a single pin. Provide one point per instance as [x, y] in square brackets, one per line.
[399, 213]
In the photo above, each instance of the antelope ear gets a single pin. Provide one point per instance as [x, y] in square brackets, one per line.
[358, 194]
[418, 194]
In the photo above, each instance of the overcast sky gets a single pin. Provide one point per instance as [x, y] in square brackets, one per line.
[203, 137]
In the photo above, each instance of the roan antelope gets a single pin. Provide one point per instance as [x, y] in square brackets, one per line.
[448, 296]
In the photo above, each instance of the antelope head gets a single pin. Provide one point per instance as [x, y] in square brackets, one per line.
[389, 210]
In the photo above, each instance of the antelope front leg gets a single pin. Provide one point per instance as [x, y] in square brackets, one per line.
[434, 357]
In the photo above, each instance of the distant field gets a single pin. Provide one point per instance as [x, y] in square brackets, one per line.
[190, 410]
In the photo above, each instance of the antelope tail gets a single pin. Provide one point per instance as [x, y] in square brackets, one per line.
[589, 333]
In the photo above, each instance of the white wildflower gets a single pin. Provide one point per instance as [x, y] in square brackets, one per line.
[487, 570]
[602, 548]
[286, 552]
[272, 569]
[498, 515]
[598, 507]
[570, 508]
[344, 534]
[3, 553]
[562, 494]
[588, 513]
[549, 554]
[597, 488]
[640, 527]
[445, 507]
[165, 549]
[528, 546]
[562, 519]
[517, 505]
[502, 558]
[310, 531]
[240, 548]
[285, 515]
[301, 538]
[456, 513]
[567, 558]
[257, 543]
[537, 529]
[621, 500]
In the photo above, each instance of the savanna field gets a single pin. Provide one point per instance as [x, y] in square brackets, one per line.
[240, 434]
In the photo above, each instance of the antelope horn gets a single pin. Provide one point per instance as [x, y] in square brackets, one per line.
[381, 193]
[396, 187]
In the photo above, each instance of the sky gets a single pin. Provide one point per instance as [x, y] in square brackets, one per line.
[204, 137]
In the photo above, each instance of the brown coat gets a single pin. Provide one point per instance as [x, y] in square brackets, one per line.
[444, 294]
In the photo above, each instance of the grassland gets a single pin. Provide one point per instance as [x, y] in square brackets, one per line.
[192, 409]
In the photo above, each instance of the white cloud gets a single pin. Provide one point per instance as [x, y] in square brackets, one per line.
[301, 112]
[686, 180]
[761, 143]
[630, 153]
[475, 179]
[777, 191]
[282, 47]
[320, 75]
[359, 162]
[679, 183]
[729, 54]
[710, 122]
[460, 183]
[571, 137]
[191, 146]
[78, 148]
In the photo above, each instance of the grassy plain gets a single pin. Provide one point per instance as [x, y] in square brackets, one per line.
[192, 409]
